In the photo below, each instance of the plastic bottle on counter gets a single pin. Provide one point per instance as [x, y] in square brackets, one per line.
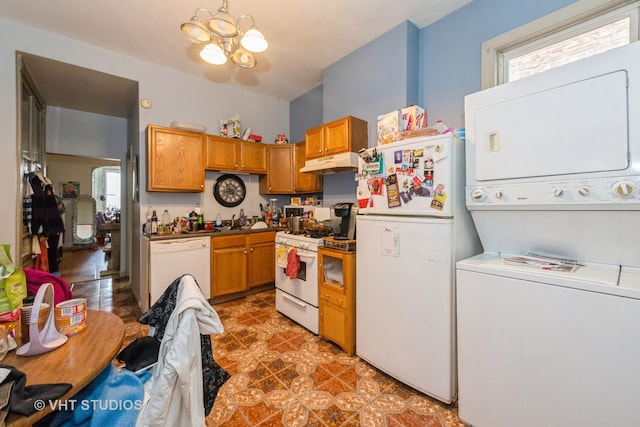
[154, 223]
[218, 222]
[241, 219]
[165, 219]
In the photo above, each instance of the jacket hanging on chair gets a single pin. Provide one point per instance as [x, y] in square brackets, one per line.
[183, 390]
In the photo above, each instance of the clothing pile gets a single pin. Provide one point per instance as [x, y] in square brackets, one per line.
[42, 214]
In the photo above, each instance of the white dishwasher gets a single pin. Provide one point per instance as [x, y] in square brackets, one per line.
[170, 259]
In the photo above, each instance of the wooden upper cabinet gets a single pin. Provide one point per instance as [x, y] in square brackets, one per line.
[175, 160]
[253, 157]
[222, 153]
[313, 139]
[230, 154]
[279, 178]
[283, 176]
[305, 182]
[339, 136]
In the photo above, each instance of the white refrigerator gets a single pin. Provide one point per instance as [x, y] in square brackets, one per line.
[412, 227]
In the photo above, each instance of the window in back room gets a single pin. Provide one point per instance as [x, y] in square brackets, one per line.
[580, 30]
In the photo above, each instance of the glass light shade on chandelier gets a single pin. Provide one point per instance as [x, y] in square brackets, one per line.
[253, 40]
[213, 54]
[221, 34]
[243, 58]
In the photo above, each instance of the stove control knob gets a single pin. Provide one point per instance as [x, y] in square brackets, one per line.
[478, 195]
[499, 194]
[304, 245]
[583, 190]
[558, 192]
[624, 189]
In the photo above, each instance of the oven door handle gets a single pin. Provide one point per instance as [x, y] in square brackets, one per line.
[307, 256]
[293, 300]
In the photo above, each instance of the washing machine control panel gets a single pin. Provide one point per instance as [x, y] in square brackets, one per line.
[617, 193]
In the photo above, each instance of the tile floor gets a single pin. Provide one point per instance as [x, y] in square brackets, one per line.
[283, 375]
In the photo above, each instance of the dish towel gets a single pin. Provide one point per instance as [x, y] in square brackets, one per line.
[293, 264]
[281, 257]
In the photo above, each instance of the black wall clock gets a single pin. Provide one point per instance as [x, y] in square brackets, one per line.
[229, 190]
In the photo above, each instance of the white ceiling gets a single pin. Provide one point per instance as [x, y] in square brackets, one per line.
[304, 36]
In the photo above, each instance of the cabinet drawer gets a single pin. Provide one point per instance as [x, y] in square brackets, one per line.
[266, 237]
[227, 241]
[333, 297]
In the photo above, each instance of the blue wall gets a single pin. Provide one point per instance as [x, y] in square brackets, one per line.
[377, 78]
[450, 57]
[305, 112]
[435, 67]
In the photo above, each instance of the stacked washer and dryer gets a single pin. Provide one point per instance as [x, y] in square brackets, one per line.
[553, 170]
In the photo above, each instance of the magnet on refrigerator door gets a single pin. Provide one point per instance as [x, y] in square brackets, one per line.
[438, 201]
[419, 188]
[397, 156]
[393, 191]
[405, 196]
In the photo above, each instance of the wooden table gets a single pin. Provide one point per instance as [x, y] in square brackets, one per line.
[76, 362]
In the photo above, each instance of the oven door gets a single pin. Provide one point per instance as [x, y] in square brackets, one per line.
[305, 285]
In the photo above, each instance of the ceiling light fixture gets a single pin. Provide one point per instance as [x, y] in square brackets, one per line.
[224, 38]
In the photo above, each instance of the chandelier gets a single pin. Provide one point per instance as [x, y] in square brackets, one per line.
[224, 39]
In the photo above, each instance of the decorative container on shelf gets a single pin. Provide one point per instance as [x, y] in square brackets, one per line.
[230, 127]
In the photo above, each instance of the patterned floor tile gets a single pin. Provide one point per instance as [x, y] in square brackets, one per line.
[283, 375]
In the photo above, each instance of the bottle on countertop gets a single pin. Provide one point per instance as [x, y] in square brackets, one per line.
[154, 223]
[241, 219]
[165, 219]
[218, 222]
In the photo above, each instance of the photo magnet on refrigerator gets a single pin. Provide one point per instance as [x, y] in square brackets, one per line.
[393, 191]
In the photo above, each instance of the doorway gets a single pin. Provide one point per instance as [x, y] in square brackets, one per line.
[89, 107]
[96, 178]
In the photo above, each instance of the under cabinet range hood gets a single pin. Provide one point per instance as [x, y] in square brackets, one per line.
[342, 162]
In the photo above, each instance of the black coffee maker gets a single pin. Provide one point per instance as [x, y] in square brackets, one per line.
[343, 221]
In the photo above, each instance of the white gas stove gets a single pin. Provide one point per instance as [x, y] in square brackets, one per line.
[297, 286]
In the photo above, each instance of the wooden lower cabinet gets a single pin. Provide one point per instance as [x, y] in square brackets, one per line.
[337, 280]
[262, 258]
[241, 261]
[228, 265]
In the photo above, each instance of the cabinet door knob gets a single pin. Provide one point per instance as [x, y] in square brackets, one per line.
[245, 252]
[251, 250]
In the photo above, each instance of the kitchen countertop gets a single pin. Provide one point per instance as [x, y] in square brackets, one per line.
[223, 232]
